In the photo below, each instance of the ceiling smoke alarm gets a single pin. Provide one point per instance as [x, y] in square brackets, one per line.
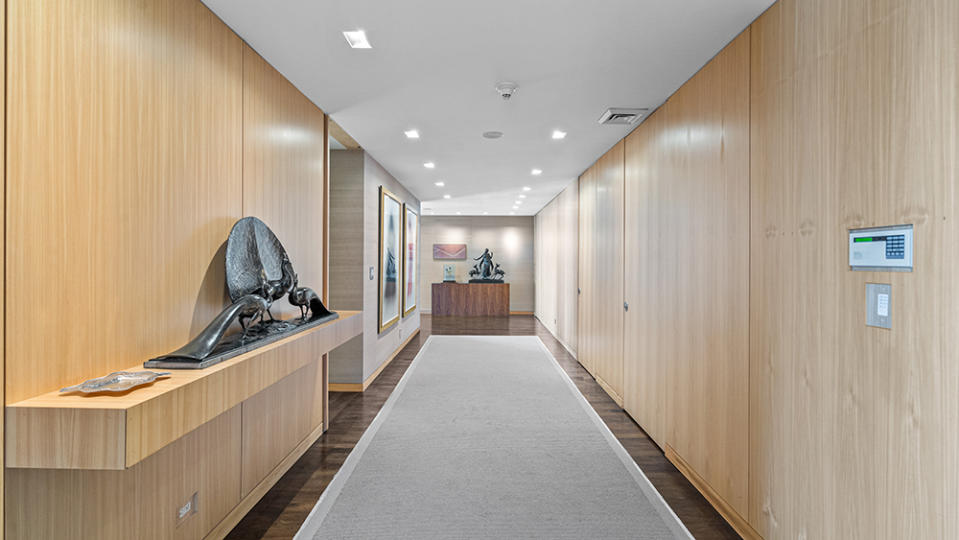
[621, 116]
[493, 134]
[506, 89]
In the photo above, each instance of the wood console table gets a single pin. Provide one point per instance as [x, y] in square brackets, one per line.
[470, 299]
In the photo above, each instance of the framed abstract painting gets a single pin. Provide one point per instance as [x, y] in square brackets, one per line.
[411, 224]
[391, 217]
[450, 252]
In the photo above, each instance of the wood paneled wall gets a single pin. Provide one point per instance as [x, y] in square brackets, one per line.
[556, 243]
[283, 157]
[600, 342]
[687, 257]
[137, 134]
[124, 176]
[3, 169]
[758, 375]
[855, 123]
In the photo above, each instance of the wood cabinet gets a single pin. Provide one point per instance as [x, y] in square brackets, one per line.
[470, 299]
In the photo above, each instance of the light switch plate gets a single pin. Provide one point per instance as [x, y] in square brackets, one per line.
[371, 273]
[879, 305]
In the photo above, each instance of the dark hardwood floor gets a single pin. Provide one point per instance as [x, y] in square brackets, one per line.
[284, 508]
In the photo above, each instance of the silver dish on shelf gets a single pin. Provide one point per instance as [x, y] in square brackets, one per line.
[118, 381]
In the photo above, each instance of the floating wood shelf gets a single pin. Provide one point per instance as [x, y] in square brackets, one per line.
[77, 431]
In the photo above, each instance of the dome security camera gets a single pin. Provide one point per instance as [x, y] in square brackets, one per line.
[506, 89]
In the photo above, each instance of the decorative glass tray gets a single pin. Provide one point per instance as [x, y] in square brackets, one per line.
[118, 381]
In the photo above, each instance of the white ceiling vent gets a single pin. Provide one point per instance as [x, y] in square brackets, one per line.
[615, 115]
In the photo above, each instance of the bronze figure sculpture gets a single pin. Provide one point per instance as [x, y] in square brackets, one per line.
[258, 273]
[485, 271]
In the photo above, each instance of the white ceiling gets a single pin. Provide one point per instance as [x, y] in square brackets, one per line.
[434, 65]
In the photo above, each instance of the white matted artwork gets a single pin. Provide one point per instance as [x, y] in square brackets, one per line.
[390, 237]
[411, 224]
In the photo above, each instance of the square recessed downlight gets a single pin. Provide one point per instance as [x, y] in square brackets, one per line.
[429, 165]
[357, 39]
[439, 184]
[412, 134]
[557, 134]
[446, 196]
[526, 188]
[537, 172]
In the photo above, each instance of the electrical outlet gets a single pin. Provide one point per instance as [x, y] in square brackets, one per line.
[188, 509]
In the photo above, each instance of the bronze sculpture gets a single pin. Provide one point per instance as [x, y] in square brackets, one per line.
[258, 273]
[485, 271]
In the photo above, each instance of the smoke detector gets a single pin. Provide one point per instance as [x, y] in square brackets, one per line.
[506, 89]
[493, 134]
[621, 116]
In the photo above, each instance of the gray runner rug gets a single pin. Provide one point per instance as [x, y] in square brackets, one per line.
[487, 437]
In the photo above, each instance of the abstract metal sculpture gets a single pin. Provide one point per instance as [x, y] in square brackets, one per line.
[485, 271]
[258, 273]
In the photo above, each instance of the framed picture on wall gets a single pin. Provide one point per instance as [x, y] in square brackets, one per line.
[391, 222]
[411, 225]
[452, 252]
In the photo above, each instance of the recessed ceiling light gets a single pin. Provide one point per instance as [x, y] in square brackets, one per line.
[429, 165]
[459, 213]
[521, 196]
[512, 213]
[485, 213]
[493, 134]
[557, 134]
[439, 184]
[446, 196]
[518, 203]
[526, 188]
[515, 208]
[412, 134]
[536, 172]
[357, 39]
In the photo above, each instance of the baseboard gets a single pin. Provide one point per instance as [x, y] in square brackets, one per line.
[557, 338]
[520, 312]
[609, 390]
[226, 524]
[361, 387]
[736, 521]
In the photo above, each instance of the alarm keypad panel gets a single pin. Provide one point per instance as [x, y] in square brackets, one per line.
[881, 249]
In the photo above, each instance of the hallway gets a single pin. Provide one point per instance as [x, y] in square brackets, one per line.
[284, 508]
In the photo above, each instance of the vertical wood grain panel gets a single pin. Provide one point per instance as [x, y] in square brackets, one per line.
[3, 171]
[140, 502]
[123, 180]
[601, 271]
[276, 420]
[854, 123]
[556, 239]
[284, 140]
[687, 256]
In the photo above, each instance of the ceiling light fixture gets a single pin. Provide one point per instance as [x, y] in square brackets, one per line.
[521, 196]
[485, 213]
[515, 208]
[412, 134]
[357, 39]
[536, 172]
[429, 165]
[446, 196]
[492, 134]
[512, 213]
[439, 184]
[557, 134]
[459, 213]
[526, 188]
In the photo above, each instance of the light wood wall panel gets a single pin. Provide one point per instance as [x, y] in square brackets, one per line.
[601, 270]
[123, 180]
[276, 419]
[140, 502]
[556, 244]
[3, 168]
[695, 310]
[855, 123]
[283, 160]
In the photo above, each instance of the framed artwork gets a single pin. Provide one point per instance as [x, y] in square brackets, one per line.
[391, 217]
[411, 224]
[449, 251]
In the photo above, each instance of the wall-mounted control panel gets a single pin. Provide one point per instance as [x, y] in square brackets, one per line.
[887, 249]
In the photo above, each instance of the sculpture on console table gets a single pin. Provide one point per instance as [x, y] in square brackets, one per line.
[258, 273]
[485, 271]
